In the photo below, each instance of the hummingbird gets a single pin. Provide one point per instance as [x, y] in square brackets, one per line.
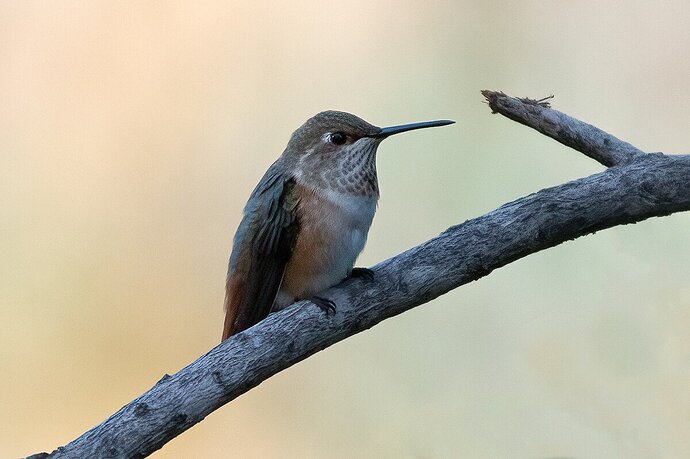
[307, 220]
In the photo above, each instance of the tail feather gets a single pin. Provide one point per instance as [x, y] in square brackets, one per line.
[233, 298]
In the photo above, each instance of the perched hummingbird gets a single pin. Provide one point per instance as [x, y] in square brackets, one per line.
[307, 220]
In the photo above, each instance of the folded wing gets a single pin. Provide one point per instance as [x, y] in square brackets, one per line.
[261, 250]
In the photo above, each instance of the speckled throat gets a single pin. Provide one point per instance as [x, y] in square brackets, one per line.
[352, 171]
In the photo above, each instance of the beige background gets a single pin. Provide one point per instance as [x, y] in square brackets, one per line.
[131, 134]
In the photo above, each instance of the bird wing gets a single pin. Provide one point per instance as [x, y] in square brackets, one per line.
[261, 250]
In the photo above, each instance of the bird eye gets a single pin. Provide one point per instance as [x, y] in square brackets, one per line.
[338, 138]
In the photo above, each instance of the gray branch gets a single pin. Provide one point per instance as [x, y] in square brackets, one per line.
[641, 186]
[585, 138]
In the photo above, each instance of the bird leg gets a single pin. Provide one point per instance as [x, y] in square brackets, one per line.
[326, 305]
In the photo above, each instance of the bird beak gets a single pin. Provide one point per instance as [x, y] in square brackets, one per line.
[388, 131]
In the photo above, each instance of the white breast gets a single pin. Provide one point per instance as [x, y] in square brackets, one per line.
[333, 231]
[357, 213]
[359, 209]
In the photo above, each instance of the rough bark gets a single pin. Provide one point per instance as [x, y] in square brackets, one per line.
[585, 138]
[637, 186]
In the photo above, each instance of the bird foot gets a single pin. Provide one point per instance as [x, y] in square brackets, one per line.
[326, 305]
[362, 273]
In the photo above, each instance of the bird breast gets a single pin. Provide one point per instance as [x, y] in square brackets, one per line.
[333, 229]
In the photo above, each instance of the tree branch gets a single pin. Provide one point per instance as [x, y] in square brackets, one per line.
[585, 138]
[642, 186]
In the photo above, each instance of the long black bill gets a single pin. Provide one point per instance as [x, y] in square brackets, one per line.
[388, 131]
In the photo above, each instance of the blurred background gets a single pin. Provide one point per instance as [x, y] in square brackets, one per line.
[131, 134]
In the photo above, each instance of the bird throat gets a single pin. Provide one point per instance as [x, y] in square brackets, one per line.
[352, 172]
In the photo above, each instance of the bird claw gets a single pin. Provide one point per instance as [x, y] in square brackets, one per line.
[362, 273]
[326, 305]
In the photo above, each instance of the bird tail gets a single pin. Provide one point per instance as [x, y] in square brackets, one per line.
[232, 301]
